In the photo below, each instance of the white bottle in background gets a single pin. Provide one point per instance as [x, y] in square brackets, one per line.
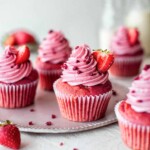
[141, 20]
[111, 18]
[107, 26]
[105, 36]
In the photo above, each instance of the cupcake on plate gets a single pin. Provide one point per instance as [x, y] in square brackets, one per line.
[18, 79]
[127, 51]
[21, 37]
[84, 90]
[53, 52]
[134, 113]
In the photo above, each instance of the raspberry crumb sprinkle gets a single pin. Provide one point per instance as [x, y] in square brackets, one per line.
[137, 78]
[53, 116]
[114, 92]
[139, 101]
[32, 110]
[132, 91]
[49, 123]
[64, 66]
[76, 47]
[146, 67]
[31, 123]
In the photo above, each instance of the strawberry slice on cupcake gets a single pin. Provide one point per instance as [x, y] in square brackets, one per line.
[104, 59]
[133, 36]
[23, 54]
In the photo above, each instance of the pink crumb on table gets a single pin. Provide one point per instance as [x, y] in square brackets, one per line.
[53, 116]
[32, 110]
[114, 92]
[48, 123]
[31, 123]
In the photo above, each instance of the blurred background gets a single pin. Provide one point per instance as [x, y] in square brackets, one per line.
[82, 21]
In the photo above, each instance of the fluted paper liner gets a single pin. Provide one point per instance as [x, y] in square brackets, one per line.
[82, 108]
[126, 66]
[135, 136]
[17, 96]
[48, 77]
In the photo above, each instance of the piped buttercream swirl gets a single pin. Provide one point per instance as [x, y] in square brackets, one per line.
[139, 94]
[10, 72]
[80, 69]
[54, 48]
[120, 44]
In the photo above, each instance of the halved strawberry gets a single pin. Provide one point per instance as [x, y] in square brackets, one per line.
[104, 59]
[9, 135]
[10, 40]
[23, 54]
[133, 35]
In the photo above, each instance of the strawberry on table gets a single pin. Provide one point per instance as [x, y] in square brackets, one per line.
[23, 54]
[133, 35]
[104, 59]
[9, 135]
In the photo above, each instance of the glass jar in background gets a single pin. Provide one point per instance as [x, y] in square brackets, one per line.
[139, 16]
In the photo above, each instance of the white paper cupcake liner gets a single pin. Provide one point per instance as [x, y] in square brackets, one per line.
[135, 136]
[126, 66]
[17, 96]
[82, 108]
[129, 59]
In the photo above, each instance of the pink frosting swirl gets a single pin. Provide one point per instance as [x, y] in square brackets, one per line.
[54, 48]
[139, 94]
[81, 68]
[10, 72]
[120, 43]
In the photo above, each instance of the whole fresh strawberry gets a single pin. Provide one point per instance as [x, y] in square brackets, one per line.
[104, 59]
[19, 37]
[9, 135]
[23, 37]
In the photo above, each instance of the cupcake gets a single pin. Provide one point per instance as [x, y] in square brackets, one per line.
[21, 37]
[18, 79]
[127, 51]
[53, 52]
[134, 113]
[84, 90]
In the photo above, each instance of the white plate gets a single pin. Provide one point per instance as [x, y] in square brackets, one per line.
[46, 105]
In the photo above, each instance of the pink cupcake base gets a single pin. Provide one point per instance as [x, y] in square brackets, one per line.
[82, 108]
[136, 137]
[47, 78]
[126, 67]
[17, 96]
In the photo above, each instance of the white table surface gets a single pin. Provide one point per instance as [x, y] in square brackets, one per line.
[104, 138]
